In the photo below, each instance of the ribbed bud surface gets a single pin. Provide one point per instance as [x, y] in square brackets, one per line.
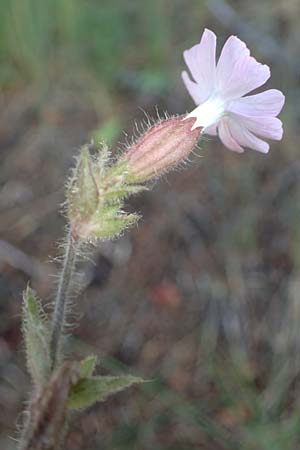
[162, 147]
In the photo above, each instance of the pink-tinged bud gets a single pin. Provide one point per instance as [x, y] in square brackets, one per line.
[161, 148]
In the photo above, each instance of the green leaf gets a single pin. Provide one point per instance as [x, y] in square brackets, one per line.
[117, 194]
[96, 389]
[87, 366]
[37, 337]
[112, 223]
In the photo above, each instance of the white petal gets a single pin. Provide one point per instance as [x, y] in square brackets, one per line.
[267, 127]
[226, 136]
[193, 88]
[245, 138]
[231, 52]
[267, 103]
[237, 72]
[201, 61]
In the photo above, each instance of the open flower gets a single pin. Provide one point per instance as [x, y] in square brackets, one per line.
[219, 90]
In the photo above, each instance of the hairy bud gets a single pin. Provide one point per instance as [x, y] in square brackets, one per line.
[161, 148]
[95, 197]
[98, 187]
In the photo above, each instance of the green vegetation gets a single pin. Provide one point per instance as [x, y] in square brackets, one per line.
[117, 42]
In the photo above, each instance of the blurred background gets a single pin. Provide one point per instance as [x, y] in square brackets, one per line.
[203, 297]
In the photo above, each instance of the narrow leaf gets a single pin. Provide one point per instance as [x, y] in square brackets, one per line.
[36, 336]
[87, 366]
[96, 389]
[87, 200]
[110, 226]
[119, 193]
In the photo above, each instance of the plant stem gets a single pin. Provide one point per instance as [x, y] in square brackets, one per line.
[62, 297]
[58, 325]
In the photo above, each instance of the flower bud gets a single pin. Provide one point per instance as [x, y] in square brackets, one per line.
[95, 197]
[84, 196]
[161, 148]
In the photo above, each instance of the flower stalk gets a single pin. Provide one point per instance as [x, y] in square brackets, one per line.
[62, 299]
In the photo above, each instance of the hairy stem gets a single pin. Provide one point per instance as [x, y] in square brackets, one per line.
[62, 297]
[30, 436]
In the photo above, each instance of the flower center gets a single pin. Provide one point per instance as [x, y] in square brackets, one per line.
[209, 112]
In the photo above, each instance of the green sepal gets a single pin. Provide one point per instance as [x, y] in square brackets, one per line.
[88, 391]
[37, 337]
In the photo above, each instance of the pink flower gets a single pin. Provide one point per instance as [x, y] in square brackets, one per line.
[219, 90]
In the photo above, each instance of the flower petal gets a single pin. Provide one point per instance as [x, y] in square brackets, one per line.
[245, 138]
[267, 127]
[226, 136]
[267, 103]
[201, 60]
[232, 51]
[237, 72]
[193, 88]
